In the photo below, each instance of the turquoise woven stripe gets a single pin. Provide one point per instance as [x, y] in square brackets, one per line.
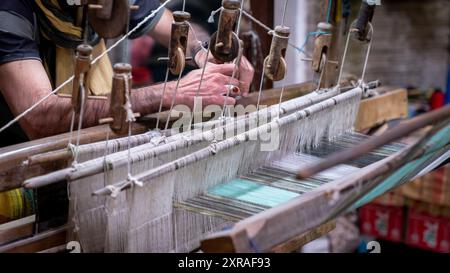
[251, 192]
[438, 141]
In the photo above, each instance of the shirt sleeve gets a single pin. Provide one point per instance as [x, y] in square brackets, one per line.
[146, 7]
[17, 32]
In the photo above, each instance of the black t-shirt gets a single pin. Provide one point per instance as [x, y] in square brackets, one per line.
[20, 40]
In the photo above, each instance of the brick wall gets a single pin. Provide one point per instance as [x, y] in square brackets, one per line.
[411, 42]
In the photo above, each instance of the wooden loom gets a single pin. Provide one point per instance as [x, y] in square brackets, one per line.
[37, 167]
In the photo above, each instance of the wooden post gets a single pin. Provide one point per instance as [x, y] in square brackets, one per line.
[263, 10]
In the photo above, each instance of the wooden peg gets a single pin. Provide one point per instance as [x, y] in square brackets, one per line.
[104, 9]
[109, 18]
[178, 42]
[275, 68]
[360, 29]
[118, 119]
[225, 43]
[322, 45]
[82, 66]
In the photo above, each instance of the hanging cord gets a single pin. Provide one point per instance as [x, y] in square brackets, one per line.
[72, 124]
[105, 155]
[271, 32]
[163, 93]
[158, 120]
[130, 119]
[284, 12]
[261, 82]
[281, 99]
[236, 65]
[70, 79]
[330, 8]
[200, 83]
[365, 61]
[80, 120]
[174, 96]
[283, 82]
[368, 52]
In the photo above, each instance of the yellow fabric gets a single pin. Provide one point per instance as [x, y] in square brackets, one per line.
[11, 204]
[62, 26]
[339, 12]
[99, 77]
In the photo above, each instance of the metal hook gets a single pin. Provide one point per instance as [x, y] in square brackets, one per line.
[224, 42]
[367, 53]
[275, 68]
[119, 101]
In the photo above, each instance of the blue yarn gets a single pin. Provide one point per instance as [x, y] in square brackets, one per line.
[330, 3]
[447, 93]
[310, 34]
[253, 246]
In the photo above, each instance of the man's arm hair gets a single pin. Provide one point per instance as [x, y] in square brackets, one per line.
[23, 83]
[162, 32]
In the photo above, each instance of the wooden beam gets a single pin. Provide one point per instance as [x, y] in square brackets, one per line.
[14, 155]
[37, 243]
[301, 240]
[263, 10]
[379, 109]
[266, 230]
[17, 229]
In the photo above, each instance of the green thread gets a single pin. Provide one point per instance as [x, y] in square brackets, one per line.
[251, 192]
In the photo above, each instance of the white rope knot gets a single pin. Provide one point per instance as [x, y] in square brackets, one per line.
[72, 149]
[373, 2]
[186, 138]
[367, 92]
[213, 147]
[114, 191]
[76, 228]
[158, 140]
[154, 133]
[334, 197]
[213, 13]
[127, 106]
[135, 181]
[130, 115]
[273, 33]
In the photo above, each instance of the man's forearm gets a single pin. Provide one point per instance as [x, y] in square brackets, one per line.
[54, 116]
[55, 113]
[162, 32]
[146, 100]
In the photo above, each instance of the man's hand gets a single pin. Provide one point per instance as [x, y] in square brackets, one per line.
[213, 88]
[244, 73]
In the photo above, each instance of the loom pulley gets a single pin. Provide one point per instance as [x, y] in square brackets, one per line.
[119, 101]
[82, 66]
[275, 64]
[322, 44]
[225, 43]
[109, 18]
[360, 27]
[178, 42]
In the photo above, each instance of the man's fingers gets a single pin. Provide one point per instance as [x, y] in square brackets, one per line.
[224, 69]
[246, 75]
[227, 100]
